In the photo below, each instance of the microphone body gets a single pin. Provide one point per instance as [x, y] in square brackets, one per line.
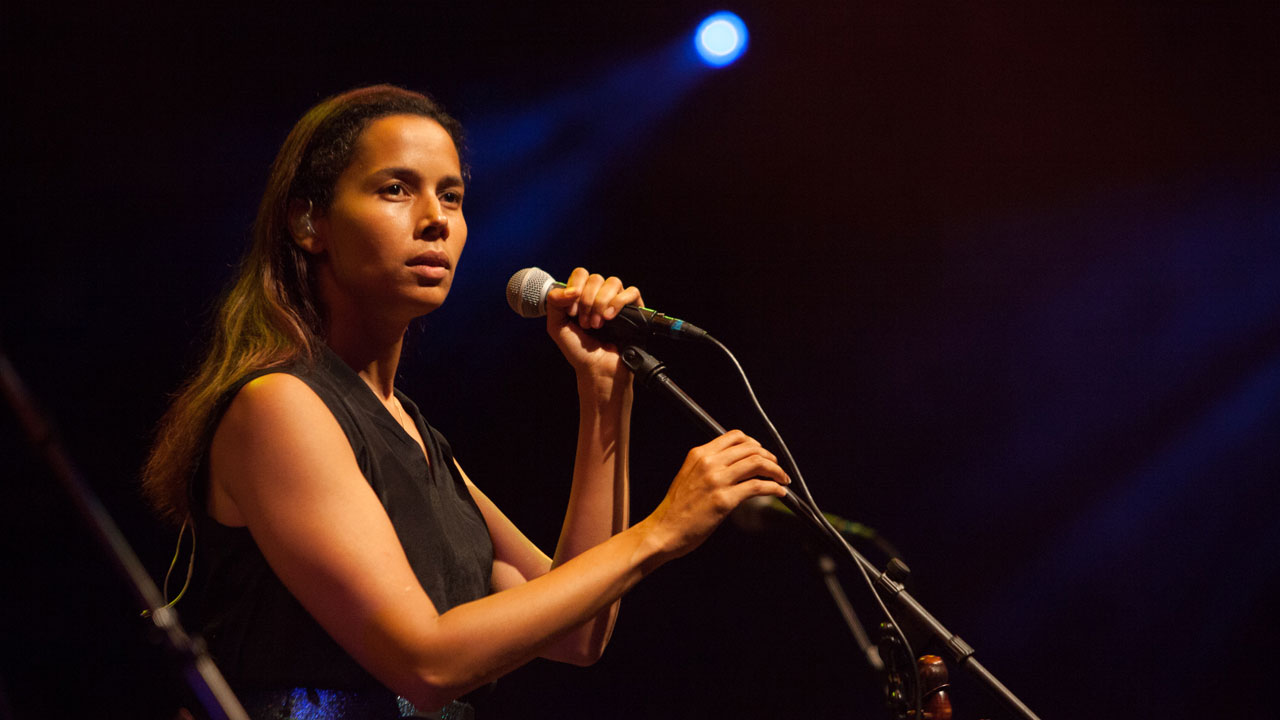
[763, 514]
[527, 295]
[760, 514]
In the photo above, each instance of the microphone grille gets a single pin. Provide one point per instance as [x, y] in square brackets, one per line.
[527, 292]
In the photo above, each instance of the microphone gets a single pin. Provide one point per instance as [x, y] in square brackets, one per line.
[761, 514]
[527, 295]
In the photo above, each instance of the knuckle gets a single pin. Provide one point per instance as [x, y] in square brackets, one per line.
[721, 502]
[706, 464]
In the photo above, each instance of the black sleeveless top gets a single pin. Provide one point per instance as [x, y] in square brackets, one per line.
[258, 633]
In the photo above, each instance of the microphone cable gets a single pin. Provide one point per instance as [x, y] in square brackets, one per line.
[526, 295]
[815, 515]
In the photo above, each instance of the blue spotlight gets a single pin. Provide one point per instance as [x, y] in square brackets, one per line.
[720, 39]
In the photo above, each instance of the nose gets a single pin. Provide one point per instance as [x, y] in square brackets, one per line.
[434, 223]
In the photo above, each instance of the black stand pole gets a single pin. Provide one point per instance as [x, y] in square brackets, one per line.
[202, 676]
[652, 374]
[827, 566]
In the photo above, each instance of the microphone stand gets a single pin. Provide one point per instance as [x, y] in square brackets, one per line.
[652, 374]
[202, 676]
[827, 565]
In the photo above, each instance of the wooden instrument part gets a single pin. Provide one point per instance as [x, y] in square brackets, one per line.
[934, 686]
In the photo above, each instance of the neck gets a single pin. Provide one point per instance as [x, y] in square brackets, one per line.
[373, 352]
[367, 336]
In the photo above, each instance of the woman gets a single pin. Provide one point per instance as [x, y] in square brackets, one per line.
[340, 546]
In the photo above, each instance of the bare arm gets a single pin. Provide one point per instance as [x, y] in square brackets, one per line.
[281, 463]
[598, 499]
[598, 510]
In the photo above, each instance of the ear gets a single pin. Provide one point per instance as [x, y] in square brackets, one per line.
[302, 228]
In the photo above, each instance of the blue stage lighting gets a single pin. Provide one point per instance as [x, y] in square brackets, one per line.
[720, 39]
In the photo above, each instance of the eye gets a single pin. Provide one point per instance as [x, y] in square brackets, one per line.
[395, 190]
[451, 197]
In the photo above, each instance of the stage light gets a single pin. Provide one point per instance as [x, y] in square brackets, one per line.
[720, 39]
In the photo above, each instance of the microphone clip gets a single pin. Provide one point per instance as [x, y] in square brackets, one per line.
[643, 365]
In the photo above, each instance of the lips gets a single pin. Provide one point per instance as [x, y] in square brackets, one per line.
[431, 267]
[430, 258]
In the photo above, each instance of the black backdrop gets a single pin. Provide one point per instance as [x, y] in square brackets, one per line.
[1004, 275]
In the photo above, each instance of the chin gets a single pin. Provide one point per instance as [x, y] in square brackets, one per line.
[425, 303]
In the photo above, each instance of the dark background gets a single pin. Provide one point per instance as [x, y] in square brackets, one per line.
[1005, 276]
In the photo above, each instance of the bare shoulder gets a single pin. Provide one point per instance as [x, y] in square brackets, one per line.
[284, 469]
[274, 397]
[276, 410]
[276, 435]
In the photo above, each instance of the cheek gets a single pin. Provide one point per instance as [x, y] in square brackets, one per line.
[458, 234]
[368, 235]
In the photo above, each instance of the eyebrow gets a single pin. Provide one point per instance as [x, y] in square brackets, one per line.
[415, 176]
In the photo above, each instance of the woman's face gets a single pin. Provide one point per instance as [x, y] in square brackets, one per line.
[392, 237]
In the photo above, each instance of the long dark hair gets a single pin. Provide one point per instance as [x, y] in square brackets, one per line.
[271, 316]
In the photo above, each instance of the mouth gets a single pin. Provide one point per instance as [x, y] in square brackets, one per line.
[430, 258]
[432, 265]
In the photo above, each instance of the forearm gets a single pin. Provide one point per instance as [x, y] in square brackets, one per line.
[598, 498]
[598, 502]
[477, 642]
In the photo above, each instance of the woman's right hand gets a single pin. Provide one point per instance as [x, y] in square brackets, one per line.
[714, 479]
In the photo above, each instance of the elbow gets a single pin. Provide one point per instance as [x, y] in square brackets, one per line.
[586, 645]
[584, 653]
[586, 657]
[427, 694]
[430, 666]
[430, 689]
[431, 694]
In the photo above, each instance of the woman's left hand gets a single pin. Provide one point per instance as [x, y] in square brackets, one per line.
[585, 304]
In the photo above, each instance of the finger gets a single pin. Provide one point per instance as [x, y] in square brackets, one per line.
[604, 300]
[741, 451]
[573, 287]
[754, 488]
[577, 278]
[728, 439]
[590, 289]
[710, 456]
[624, 297]
[563, 297]
[760, 467]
